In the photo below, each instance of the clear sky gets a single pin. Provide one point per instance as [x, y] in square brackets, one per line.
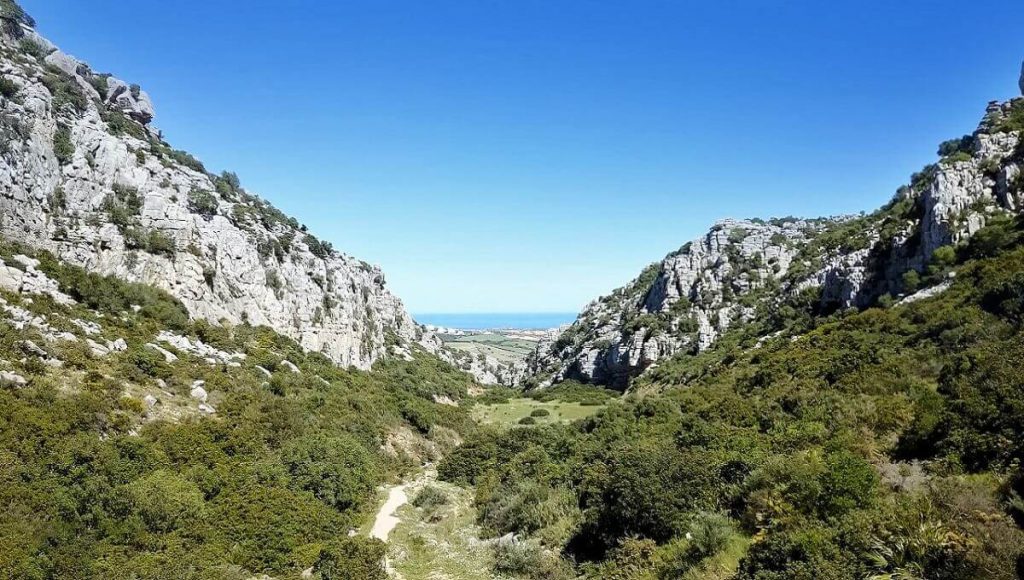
[530, 155]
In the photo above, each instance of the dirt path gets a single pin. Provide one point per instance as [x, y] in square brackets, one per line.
[386, 519]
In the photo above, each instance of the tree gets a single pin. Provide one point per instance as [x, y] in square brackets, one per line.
[338, 470]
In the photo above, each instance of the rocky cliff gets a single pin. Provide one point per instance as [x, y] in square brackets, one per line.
[85, 175]
[743, 270]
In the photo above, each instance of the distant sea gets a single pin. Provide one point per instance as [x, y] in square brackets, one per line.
[496, 320]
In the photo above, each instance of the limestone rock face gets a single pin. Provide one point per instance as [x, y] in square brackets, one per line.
[83, 175]
[745, 270]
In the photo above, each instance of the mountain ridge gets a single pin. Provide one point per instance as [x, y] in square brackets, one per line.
[743, 269]
[86, 176]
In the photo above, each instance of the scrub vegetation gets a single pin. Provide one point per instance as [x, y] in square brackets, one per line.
[883, 443]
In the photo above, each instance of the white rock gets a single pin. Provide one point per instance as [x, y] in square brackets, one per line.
[169, 356]
[198, 393]
[97, 348]
[89, 328]
[288, 365]
[150, 401]
[12, 379]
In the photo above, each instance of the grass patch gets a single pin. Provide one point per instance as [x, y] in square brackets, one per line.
[515, 410]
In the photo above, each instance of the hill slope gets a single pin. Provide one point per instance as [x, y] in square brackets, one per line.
[84, 175]
[744, 270]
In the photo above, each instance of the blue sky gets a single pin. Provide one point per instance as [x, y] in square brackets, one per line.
[530, 155]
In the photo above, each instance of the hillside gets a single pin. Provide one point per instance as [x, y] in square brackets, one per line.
[135, 443]
[745, 271]
[85, 175]
[880, 443]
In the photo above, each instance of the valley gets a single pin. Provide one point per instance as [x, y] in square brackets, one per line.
[194, 386]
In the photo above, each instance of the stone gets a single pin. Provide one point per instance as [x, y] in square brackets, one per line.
[97, 348]
[32, 348]
[208, 409]
[150, 401]
[10, 378]
[118, 345]
[169, 356]
[131, 101]
[288, 365]
[89, 328]
[198, 393]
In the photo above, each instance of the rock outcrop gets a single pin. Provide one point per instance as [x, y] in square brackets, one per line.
[85, 176]
[744, 270]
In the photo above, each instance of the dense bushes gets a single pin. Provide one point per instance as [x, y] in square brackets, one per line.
[113, 296]
[337, 470]
[352, 559]
[95, 483]
[777, 462]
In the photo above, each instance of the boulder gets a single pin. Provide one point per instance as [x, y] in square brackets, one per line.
[130, 100]
[198, 392]
[97, 348]
[10, 378]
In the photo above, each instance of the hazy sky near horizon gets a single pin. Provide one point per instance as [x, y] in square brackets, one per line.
[530, 155]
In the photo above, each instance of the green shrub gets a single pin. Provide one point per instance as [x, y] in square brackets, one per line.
[527, 421]
[111, 295]
[1014, 120]
[101, 83]
[203, 203]
[708, 534]
[517, 558]
[149, 362]
[540, 413]
[430, 497]
[352, 559]
[160, 243]
[120, 124]
[337, 470]
[64, 90]
[318, 248]
[911, 281]
[166, 501]
[63, 148]
[186, 159]
[33, 49]
[14, 14]
[8, 88]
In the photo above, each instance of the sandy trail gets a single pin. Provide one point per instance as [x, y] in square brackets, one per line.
[386, 518]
